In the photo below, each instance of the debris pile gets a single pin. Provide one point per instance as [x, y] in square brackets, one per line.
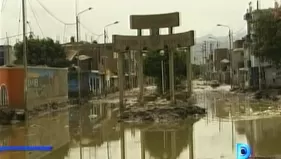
[160, 114]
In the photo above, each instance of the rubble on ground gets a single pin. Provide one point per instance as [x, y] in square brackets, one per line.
[160, 114]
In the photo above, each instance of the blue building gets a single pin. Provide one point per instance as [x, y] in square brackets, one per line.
[89, 83]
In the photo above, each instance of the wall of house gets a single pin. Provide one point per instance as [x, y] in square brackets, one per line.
[237, 61]
[272, 77]
[73, 83]
[44, 85]
[7, 55]
[220, 54]
[91, 50]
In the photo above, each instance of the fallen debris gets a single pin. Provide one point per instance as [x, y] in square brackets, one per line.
[160, 114]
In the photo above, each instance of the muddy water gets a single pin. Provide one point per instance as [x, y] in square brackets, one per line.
[94, 133]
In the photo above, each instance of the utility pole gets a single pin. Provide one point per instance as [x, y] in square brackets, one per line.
[78, 59]
[24, 54]
[230, 57]
[204, 59]
[8, 50]
[25, 65]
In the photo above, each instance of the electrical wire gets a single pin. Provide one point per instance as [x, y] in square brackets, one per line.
[36, 19]
[4, 2]
[19, 19]
[13, 36]
[64, 30]
[89, 30]
[52, 15]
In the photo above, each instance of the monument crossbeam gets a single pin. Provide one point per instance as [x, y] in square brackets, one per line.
[121, 42]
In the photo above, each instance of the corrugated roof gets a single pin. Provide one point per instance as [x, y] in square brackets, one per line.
[70, 54]
[225, 61]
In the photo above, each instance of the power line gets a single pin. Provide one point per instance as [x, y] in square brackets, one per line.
[89, 30]
[19, 19]
[4, 2]
[13, 36]
[35, 16]
[51, 14]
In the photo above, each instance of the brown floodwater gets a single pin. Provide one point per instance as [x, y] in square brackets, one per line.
[93, 132]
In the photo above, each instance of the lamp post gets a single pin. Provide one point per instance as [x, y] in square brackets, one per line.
[78, 54]
[230, 47]
[104, 50]
[214, 59]
[162, 53]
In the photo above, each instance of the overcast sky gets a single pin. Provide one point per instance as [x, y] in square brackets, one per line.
[201, 16]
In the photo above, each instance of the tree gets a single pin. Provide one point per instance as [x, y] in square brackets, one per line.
[42, 52]
[267, 38]
[152, 67]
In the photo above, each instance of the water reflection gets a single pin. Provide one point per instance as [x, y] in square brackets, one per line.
[47, 130]
[104, 137]
[263, 135]
[94, 133]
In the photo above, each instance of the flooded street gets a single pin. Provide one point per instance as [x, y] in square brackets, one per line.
[230, 119]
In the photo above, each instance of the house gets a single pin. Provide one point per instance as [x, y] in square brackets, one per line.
[237, 62]
[7, 55]
[254, 66]
[89, 58]
[221, 65]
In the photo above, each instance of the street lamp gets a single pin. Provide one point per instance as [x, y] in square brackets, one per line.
[104, 49]
[78, 54]
[162, 53]
[230, 44]
[77, 21]
[105, 32]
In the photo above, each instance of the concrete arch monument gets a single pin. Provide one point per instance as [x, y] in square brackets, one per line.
[154, 41]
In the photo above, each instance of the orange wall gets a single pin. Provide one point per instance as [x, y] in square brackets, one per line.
[13, 79]
[16, 87]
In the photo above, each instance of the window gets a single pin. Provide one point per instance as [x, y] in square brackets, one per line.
[1, 61]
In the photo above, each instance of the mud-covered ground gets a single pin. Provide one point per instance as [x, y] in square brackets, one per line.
[160, 114]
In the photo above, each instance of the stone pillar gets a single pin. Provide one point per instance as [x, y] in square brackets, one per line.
[171, 77]
[190, 141]
[130, 69]
[140, 73]
[142, 135]
[121, 80]
[173, 145]
[188, 72]
[171, 72]
[122, 143]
